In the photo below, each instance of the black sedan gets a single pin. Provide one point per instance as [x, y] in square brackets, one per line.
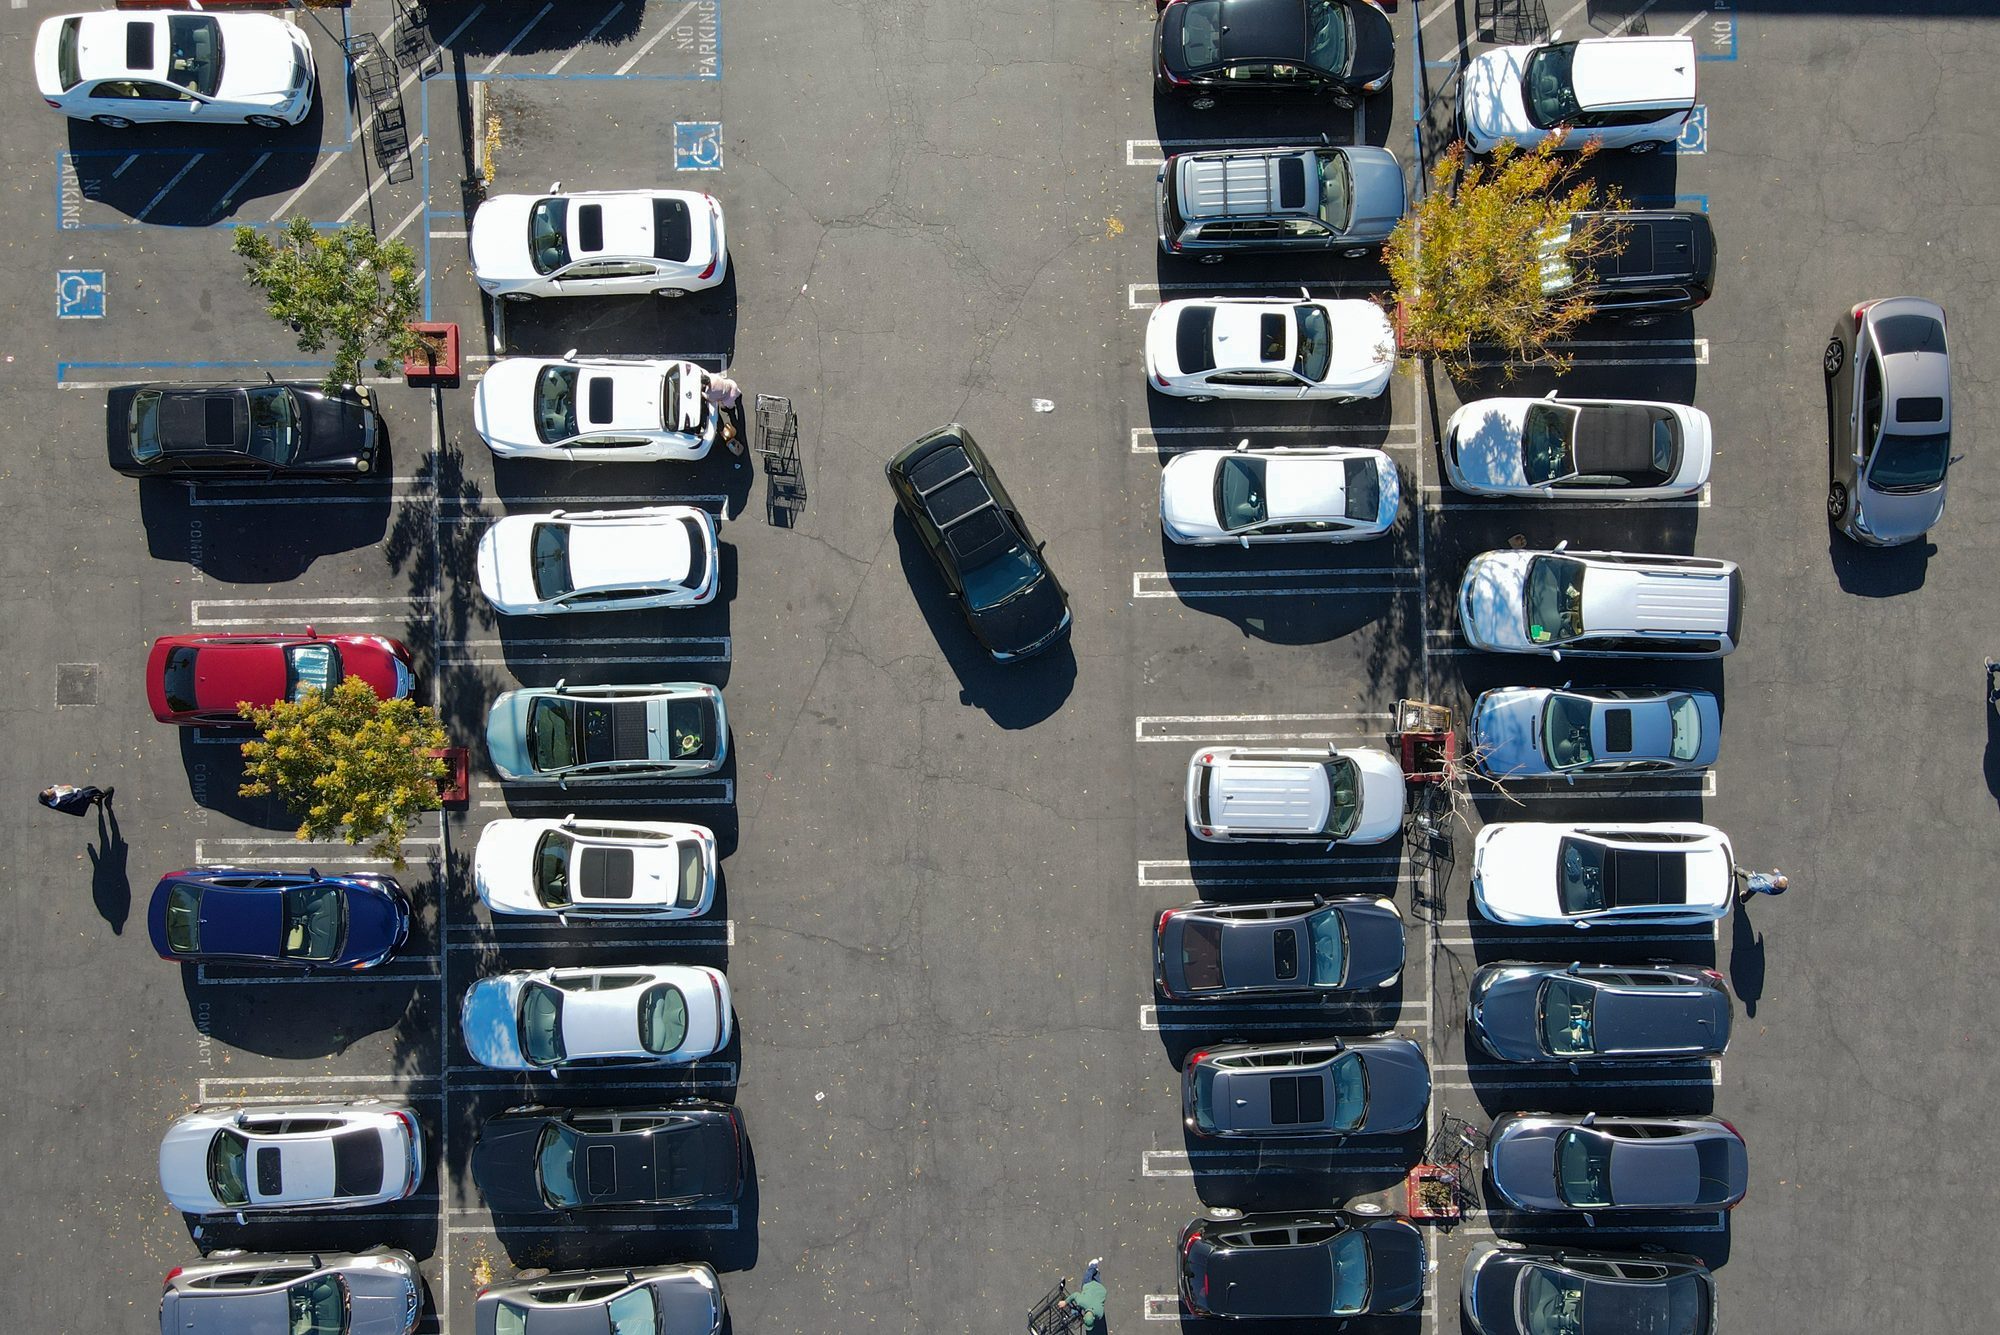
[1514, 1290]
[969, 525]
[1204, 951]
[1324, 1264]
[274, 430]
[541, 1160]
[1206, 49]
[1588, 1013]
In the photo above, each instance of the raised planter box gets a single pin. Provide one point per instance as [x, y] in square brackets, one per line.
[456, 787]
[1444, 1190]
[1427, 757]
[435, 369]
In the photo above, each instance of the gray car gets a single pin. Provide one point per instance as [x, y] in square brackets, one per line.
[1345, 199]
[1524, 732]
[1888, 429]
[1509, 1289]
[1210, 952]
[1592, 1013]
[681, 1299]
[296, 1293]
[1542, 1162]
[1364, 1087]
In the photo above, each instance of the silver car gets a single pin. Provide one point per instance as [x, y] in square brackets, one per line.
[1340, 198]
[683, 1299]
[1888, 428]
[321, 1293]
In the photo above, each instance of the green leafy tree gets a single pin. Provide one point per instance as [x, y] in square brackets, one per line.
[1486, 256]
[345, 288]
[349, 764]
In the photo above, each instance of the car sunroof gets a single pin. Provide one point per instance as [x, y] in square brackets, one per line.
[590, 227]
[599, 408]
[1285, 953]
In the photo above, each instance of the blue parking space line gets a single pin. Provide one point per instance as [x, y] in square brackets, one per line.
[1670, 201]
[424, 120]
[63, 369]
[1720, 29]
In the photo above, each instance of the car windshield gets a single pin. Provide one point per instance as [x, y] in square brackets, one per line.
[1545, 442]
[274, 425]
[145, 422]
[1566, 731]
[1583, 1168]
[541, 1024]
[1350, 1272]
[548, 234]
[632, 1313]
[1201, 35]
[1350, 1091]
[1327, 38]
[1909, 463]
[310, 667]
[1686, 718]
[318, 1306]
[551, 560]
[555, 1159]
[184, 919]
[1546, 86]
[1554, 602]
[1550, 1303]
[1580, 879]
[227, 1155]
[315, 921]
[1686, 1306]
[663, 1018]
[1239, 493]
[1343, 790]
[1329, 947]
[552, 854]
[1336, 191]
[555, 403]
[694, 873]
[552, 735]
[1567, 1008]
[1011, 573]
[194, 47]
[1315, 351]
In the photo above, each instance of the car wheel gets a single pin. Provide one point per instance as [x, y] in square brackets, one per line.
[1203, 103]
[1355, 253]
[1212, 259]
[515, 296]
[265, 122]
[113, 122]
[670, 292]
[1641, 321]
[1833, 358]
[1201, 398]
[1645, 146]
[1836, 502]
[1343, 101]
[226, 1254]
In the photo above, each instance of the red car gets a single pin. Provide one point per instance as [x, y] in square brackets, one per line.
[197, 680]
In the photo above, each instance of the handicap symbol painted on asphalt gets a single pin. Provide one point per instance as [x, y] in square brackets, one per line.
[1694, 134]
[698, 146]
[79, 294]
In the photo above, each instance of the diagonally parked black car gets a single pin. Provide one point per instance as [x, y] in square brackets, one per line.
[539, 1160]
[272, 430]
[1207, 49]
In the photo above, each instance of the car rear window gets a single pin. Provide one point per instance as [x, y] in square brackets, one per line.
[177, 678]
[357, 1163]
[697, 554]
[1908, 333]
[694, 873]
[68, 72]
[673, 230]
[1194, 339]
[663, 1018]
[1362, 483]
[1201, 955]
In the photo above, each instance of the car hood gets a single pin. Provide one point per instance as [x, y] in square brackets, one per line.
[376, 664]
[487, 1020]
[503, 866]
[1374, 944]
[378, 1301]
[1374, 53]
[1023, 620]
[507, 735]
[1396, 1265]
[685, 1305]
[503, 1164]
[1490, 610]
[1524, 1166]
[1505, 1019]
[376, 924]
[1506, 732]
[1489, 94]
[1485, 440]
[503, 405]
[1895, 517]
[259, 59]
[1381, 815]
[1364, 343]
[338, 428]
[1187, 494]
[500, 237]
[184, 1165]
[241, 922]
[1399, 1086]
[1379, 193]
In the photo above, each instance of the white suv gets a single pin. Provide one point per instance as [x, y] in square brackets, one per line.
[1297, 795]
[1601, 604]
[1625, 92]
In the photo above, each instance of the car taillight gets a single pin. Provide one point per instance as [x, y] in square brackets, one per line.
[175, 1273]
[1194, 1058]
[1859, 310]
[714, 211]
[409, 1123]
[1716, 974]
[58, 107]
[1160, 380]
[715, 986]
[1732, 1128]
[1161, 925]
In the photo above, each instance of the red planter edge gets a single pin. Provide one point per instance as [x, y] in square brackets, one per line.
[445, 367]
[1424, 1172]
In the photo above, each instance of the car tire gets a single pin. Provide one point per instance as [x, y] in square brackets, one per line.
[266, 122]
[1641, 321]
[1213, 259]
[112, 122]
[1200, 398]
[1833, 358]
[1355, 253]
[1644, 146]
[1343, 101]
[1204, 102]
[670, 292]
[1836, 502]
[515, 296]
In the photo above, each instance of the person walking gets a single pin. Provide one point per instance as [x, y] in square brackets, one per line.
[1772, 882]
[68, 798]
[1090, 1295]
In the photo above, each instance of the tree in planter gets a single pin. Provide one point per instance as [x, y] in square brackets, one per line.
[1483, 257]
[349, 764]
[345, 287]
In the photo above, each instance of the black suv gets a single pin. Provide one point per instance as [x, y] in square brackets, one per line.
[992, 566]
[1664, 262]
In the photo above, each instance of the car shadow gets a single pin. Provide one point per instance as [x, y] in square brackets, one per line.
[1878, 572]
[272, 1015]
[1304, 1174]
[159, 175]
[656, 645]
[1624, 1087]
[409, 1225]
[700, 327]
[1223, 581]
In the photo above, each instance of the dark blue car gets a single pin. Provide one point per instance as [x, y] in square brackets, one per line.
[278, 919]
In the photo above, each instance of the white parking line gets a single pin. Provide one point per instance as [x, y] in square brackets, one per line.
[1190, 584]
[1330, 1012]
[226, 201]
[1546, 1230]
[388, 973]
[1272, 288]
[656, 649]
[657, 38]
[724, 934]
[1176, 871]
[1674, 352]
[597, 1226]
[1573, 1083]
[173, 181]
[526, 28]
[706, 500]
[1530, 790]
[1163, 1307]
[1147, 439]
[1246, 727]
[1474, 504]
[588, 38]
[692, 1073]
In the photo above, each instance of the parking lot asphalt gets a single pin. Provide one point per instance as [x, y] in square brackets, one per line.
[940, 876]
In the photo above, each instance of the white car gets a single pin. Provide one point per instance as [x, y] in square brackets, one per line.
[1269, 348]
[598, 243]
[314, 1156]
[1643, 874]
[595, 409]
[605, 870]
[1294, 795]
[1633, 93]
[1601, 604]
[123, 69]
[619, 1015]
[1578, 449]
[599, 560]
[1327, 494]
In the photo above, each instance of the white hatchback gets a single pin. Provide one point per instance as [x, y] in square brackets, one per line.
[598, 243]
[619, 1015]
[124, 69]
[1327, 494]
[1269, 348]
[1633, 93]
[317, 1156]
[595, 870]
[1643, 874]
[599, 561]
[595, 409]
[1578, 449]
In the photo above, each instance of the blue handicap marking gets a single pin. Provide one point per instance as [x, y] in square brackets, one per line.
[698, 146]
[1694, 134]
[79, 294]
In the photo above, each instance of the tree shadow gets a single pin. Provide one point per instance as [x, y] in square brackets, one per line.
[110, 884]
[433, 544]
[213, 760]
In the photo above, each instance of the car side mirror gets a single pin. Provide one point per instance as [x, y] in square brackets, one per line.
[1042, 546]
[1555, 655]
[563, 783]
[563, 918]
[1319, 900]
[1305, 295]
[570, 356]
[1955, 459]
[557, 514]
[313, 872]
[1553, 38]
[1576, 966]
[1589, 1119]
[1563, 546]
[1570, 779]
[1550, 395]
[240, 1218]
[1244, 542]
[555, 187]
[561, 682]
[1583, 927]
[1589, 1222]
[1243, 445]
[569, 821]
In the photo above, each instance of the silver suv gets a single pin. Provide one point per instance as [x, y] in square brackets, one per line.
[1888, 420]
[1343, 199]
[373, 1293]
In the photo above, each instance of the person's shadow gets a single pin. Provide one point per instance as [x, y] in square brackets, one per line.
[110, 889]
[1746, 961]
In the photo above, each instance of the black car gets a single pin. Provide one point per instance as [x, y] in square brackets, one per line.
[1205, 951]
[1206, 49]
[272, 430]
[1514, 1290]
[1662, 261]
[991, 564]
[541, 1160]
[1327, 1087]
[1324, 1264]
[1588, 1013]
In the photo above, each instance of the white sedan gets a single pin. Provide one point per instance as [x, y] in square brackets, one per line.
[595, 409]
[1656, 874]
[599, 561]
[620, 1015]
[318, 1156]
[598, 243]
[1327, 494]
[606, 870]
[1269, 348]
[123, 69]
[1578, 449]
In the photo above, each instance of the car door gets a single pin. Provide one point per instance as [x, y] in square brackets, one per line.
[607, 448]
[1865, 422]
[141, 100]
[608, 277]
[1255, 384]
